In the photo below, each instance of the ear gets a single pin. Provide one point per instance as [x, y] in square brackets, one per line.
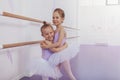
[62, 20]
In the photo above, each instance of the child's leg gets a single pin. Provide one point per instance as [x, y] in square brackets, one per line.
[45, 78]
[57, 67]
[67, 68]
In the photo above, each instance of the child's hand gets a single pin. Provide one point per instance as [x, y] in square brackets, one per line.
[43, 45]
[46, 44]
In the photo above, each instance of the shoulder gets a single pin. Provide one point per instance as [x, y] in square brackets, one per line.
[62, 29]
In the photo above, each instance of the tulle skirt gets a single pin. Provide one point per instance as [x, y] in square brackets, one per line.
[43, 68]
[49, 67]
[70, 52]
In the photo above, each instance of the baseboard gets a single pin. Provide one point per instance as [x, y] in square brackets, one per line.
[18, 77]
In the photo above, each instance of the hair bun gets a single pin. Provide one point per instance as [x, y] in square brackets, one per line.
[44, 22]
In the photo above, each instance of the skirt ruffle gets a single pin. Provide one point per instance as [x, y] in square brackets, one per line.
[43, 68]
[70, 52]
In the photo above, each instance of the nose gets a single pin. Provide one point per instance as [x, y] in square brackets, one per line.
[53, 20]
[49, 35]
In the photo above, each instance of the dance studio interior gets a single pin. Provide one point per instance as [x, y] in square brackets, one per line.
[93, 24]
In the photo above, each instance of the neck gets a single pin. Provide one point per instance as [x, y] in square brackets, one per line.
[59, 26]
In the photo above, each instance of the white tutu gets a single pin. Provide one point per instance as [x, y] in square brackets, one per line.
[66, 54]
[43, 68]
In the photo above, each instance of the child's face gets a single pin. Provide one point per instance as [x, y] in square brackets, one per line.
[57, 19]
[48, 33]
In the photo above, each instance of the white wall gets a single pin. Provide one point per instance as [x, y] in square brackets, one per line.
[11, 31]
[99, 34]
[91, 2]
[99, 23]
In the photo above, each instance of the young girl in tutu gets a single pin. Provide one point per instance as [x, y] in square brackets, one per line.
[65, 55]
[41, 66]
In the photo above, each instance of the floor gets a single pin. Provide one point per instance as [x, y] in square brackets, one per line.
[36, 77]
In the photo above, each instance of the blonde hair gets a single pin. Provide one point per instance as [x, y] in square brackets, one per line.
[45, 25]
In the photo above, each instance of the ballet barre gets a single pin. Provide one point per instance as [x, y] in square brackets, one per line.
[4, 46]
[7, 14]
[73, 37]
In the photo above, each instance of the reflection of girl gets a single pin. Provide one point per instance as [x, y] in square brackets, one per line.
[65, 55]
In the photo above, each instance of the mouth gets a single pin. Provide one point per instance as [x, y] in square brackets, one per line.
[51, 38]
[54, 22]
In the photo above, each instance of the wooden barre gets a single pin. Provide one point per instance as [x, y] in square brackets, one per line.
[71, 28]
[7, 14]
[73, 37]
[20, 17]
[20, 44]
[4, 46]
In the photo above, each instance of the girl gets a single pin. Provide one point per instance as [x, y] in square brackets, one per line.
[41, 66]
[65, 55]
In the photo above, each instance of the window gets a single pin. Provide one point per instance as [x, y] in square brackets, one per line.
[112, 2]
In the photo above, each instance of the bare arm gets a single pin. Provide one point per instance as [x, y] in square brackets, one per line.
[59, 48]
[45, 43]
[19, 44]
[58, 43]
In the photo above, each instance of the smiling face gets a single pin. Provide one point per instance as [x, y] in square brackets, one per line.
[57, 19]
[48, 33]
[58, 16]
